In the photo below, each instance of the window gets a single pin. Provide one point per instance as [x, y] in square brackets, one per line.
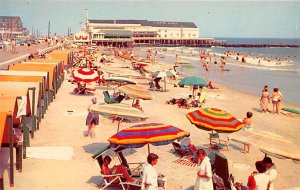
[165, 35]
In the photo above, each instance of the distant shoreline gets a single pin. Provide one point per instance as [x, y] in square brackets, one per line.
[221, 45]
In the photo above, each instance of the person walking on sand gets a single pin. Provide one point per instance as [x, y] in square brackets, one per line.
[265, 100]
[149, 180]
[92, 119]
[271, 171]
[204, 173]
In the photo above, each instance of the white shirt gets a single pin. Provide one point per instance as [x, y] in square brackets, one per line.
[149, 176]
[272, 173]
[204, 183]
[261, 180]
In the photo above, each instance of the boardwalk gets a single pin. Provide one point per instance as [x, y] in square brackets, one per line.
[20, 50]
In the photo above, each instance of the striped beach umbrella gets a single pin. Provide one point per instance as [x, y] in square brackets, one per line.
[85, 75]
[136, 92]
[214, 119]
[269, 143]
[147, 133]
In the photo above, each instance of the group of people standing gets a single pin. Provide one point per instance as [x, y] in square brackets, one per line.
[266, 99]
[9, 45]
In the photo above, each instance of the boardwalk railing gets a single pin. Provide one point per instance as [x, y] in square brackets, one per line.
[5, 64]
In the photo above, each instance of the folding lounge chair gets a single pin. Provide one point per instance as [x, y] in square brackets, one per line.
[115, 179]
[110, 100]
[180, 151]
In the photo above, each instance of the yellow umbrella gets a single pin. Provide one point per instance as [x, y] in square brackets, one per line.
[136, 92]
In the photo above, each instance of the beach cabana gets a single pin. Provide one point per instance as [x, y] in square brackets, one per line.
[122, 111]
[66, 56]
[8, 110]
[44, 77]
[32, 79]
[59, 68]
[140, 135]
[34, 91]
[23, 111]
[51, 85]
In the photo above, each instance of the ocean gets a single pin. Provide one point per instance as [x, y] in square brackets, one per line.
[283, 70]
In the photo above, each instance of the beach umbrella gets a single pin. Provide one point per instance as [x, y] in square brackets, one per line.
[139, 135]
[136, 92]
[121, 80]
[164, 74]
[122, 111]
[194, 81]
[85, 75]
[141, 64]
[214, 119]
[269, 143]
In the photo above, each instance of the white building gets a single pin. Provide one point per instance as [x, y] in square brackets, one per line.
[145, 28]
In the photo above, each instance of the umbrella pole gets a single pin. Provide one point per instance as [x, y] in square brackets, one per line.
[148, 149]
[165, 84]
[119, 124]
[193, 92]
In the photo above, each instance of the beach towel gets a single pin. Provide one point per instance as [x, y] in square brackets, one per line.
[185, 162]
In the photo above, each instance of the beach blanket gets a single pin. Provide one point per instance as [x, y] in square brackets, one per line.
[50, 152]
[185, 162]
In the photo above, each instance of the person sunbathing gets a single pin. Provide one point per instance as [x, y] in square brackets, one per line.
[116, 169]
[210, 86]
[137, 105]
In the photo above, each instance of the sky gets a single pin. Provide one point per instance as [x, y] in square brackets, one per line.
[239, 19]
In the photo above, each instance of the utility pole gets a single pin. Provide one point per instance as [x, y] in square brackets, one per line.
[49, 29]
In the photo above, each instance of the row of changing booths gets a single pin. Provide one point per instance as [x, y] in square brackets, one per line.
[26, 90]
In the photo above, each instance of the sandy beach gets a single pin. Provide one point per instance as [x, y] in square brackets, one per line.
[64, 126]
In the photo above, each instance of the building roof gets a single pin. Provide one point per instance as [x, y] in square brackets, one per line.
[147, 23]
[116, 32]
[10, 17]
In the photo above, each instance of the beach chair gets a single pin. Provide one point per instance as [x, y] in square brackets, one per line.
[180, 151]
[115, 179]
[215, 142]
[110, 100]
[220, 169]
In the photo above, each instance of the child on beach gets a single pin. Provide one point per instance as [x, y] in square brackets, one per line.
[276, 99]
[92, 120]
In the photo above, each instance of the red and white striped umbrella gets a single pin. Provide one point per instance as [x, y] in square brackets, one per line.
[85, 75]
